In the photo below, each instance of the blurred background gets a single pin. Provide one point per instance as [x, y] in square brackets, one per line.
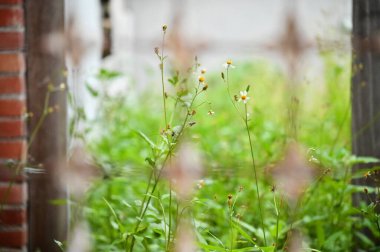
[120, 35]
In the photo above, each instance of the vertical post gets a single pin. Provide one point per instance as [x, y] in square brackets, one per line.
[47, 221]
[366, 89]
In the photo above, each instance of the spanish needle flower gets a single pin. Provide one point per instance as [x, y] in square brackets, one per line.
[228, 64]
[244, 96]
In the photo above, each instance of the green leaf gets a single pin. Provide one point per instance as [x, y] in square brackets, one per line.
[211, 247]
[248, 249]
[91, 90]
[364, 239]
[105, 74]
[174, 80]
[151, 162]
[121, 228]
[243, 233]
[362, 160]
[143, 136]
[267, 249]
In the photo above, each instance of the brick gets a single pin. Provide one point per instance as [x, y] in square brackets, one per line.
[10, 16]
[12, 62]
[12, 217]
[13, 239]
[12, 85]
[11, 40]
[12, 150]
[11, 1]
[12, 194]
[12, 172]
[12, 107]
[12, 128]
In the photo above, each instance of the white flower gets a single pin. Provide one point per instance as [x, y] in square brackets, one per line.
[244, 96]
[228, 64]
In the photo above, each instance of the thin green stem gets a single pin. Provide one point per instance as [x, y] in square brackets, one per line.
[162, 79]
[231, 228]
[41, 120]
[170, 216]
[230, 96]
[19, 166]
[277, 219]
[255, 174]
[157, 178]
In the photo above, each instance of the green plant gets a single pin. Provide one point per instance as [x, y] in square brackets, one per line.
[131, 200]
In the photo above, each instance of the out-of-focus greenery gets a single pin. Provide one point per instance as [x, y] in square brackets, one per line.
[324, 215]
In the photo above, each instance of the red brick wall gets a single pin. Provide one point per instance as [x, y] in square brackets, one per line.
[13, 229]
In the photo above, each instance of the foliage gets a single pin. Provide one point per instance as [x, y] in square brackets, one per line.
[127, 145]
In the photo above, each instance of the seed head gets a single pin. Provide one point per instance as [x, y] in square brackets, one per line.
[164, 27]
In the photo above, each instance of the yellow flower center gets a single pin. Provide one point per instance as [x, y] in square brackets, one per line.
[229, 62]
[201, 79]
[243, 97]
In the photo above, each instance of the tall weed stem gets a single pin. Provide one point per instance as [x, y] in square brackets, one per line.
[255, 173]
